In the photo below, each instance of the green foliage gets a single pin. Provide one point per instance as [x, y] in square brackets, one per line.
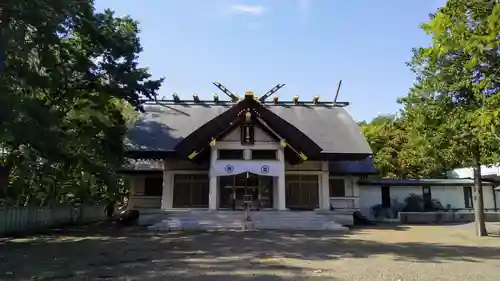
[450, 116]
[69, 85]
[416, 203]
[399, 151]
[452, 102]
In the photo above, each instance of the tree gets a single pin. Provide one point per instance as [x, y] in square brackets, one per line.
[399, 151]
[457, 87]
[69, 74]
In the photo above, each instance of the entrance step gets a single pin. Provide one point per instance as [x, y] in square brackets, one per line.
[201, 220]
[299, 220]
[265, 220]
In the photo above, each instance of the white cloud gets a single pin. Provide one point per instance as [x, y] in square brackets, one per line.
[255, 10]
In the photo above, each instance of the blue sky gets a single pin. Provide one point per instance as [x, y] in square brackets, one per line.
[306, 44]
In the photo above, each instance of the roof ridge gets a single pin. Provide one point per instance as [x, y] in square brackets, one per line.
[271, 103]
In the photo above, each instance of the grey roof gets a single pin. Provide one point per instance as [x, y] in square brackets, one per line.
[331, 127]
[420, 182]
[143, 165]
[164, 125]
[491, 178]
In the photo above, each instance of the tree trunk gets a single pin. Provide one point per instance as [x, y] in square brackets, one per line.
[478, 196]
[4, 180]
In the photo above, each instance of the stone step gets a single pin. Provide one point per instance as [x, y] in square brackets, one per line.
[222, 220]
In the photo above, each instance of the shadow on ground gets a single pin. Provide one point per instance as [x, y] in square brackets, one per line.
[111, 253]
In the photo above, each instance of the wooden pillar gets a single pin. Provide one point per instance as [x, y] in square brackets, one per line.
[324, 187]
[280, 191]
[213, 188]
[167, 199]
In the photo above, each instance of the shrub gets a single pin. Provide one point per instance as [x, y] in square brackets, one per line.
[412, 203]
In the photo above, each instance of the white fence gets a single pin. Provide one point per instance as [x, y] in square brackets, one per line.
[18, 219]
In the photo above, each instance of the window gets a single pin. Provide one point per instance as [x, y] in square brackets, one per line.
[302, 191]
[469, 203]
[426, 192]
[264, 154]
[427, 196]
[153, 186]
[230, 154]
[191, 191]
[337, 188]
[386, 196]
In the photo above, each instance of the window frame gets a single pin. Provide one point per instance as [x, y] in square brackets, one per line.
[386, 200]
[299, 184]
[331, 188]
[196, 185]
[152, 187]
[263, 156]
[230, 156]
[468, 197]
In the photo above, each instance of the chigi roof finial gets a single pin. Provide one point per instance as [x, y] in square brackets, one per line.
[271, 92]
[338, 91]
[233, 97]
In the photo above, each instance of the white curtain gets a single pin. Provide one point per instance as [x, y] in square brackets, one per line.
[235, 167]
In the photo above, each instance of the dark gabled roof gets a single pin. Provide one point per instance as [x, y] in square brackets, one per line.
[420, 182]
[165, 124]
[221, 125]
[360, 167]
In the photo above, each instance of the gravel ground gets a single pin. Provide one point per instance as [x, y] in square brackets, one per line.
[383, 253]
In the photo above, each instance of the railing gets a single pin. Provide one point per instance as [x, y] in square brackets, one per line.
[468, 210]
[18, 219]
[444, 217]
[149, 202]
[344, 202]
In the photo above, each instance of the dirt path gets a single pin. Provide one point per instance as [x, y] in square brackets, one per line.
[402, 253]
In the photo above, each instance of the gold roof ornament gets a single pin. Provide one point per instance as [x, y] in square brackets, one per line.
[192, 155]
[249, 94]
[315, 100]
[303, 156]
[295, 99]
[248, 117]
[276, 99]
[176, 97]
[256, 98]
[283, 143]
[212, 142]
[196, 98]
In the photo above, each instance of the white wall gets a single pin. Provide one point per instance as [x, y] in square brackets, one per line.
[488, 199]
[452, 195]
[369, 196]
